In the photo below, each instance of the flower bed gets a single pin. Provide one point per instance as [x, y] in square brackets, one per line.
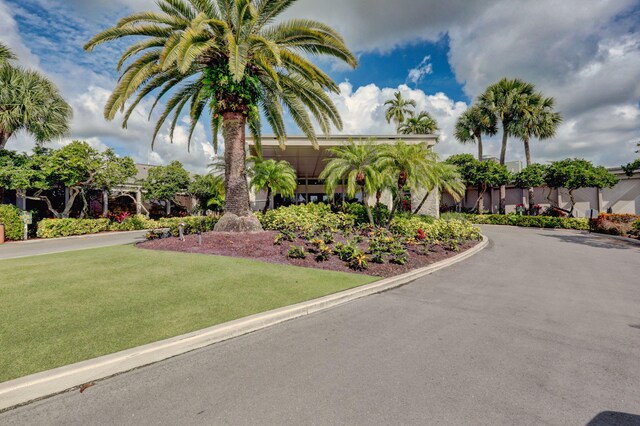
[315, 236]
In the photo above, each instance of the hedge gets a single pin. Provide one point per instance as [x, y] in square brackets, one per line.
[525, 221]
[55, 228]
[10, 218]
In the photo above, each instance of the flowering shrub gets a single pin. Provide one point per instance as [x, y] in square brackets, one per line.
[615, 224]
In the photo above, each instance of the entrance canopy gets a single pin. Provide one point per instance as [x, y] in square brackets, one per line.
[309, 162]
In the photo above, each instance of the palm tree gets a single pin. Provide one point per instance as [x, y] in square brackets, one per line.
[505, 99]
[230, 60]
[398, 109]
[29, 102]
[537, 120]
[276, 177]
[353, 165]
[410, 165]
[421, 124]
[472, 124]
[6, 54]
[448, 180]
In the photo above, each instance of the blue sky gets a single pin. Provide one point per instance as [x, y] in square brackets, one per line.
[585, 53]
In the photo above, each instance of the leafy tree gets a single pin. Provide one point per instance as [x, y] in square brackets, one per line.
[531, 177]
[421, 124]
[506, 99]
[229, 59]
[29, 102]
[398, 109]
[576, 173]
[165, 182]
[630, 168]
[410, 166]
[209, 191]
[472, 124]
[480, 174]
[76, 166]
[354, 165]
[276, 177]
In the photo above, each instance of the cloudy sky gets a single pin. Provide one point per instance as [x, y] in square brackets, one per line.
[585, 53]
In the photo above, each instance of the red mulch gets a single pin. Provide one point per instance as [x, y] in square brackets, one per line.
[259, 246]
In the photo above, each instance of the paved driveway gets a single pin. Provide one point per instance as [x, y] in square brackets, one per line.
[542, 327]
[37, 247]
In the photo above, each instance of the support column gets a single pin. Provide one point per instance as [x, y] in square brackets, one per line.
[105, 203]
[21, 200]
[138, 202]
[600, 200]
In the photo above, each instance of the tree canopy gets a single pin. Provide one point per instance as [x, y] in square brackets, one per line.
[165, 182]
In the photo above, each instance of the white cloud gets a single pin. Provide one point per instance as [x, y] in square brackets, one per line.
[424, 68]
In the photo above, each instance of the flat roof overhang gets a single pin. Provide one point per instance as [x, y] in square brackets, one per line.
[309, 162]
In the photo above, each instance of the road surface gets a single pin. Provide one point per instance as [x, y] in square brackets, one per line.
[542, 327]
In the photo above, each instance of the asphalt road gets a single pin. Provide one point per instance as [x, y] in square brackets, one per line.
[37, 247]
[542, 327]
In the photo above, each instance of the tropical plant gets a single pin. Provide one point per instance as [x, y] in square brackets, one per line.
[398, 109]
[276, 177]
[421, 124]
[209, 191]
[530, 177]
[472, 124]
[505, 100]
[630, 168]
[29, 102]
[229, 59]
[410, 166]
[354, 166]
[447, 180]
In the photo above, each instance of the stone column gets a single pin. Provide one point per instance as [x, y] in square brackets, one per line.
[105, 203]
[431, 207]
[138, 202]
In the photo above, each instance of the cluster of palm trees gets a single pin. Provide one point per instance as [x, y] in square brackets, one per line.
[365, 167]
[29, 102]
[402, 113]
[519, 109]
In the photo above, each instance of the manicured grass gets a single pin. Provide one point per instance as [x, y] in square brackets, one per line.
[63, 308]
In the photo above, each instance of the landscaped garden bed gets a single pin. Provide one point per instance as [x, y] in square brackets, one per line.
[314, 236]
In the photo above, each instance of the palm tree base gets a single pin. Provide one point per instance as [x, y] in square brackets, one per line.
[230, 222]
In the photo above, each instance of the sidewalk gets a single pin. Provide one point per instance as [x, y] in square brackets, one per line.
[13, 250]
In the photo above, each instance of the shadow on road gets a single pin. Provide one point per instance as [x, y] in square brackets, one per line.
[594, 241]
[614, 418]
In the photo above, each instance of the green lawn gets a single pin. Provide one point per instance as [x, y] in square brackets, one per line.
[63, 308]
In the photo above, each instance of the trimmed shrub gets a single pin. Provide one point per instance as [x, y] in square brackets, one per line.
[525, 221]
[192, 224]
[358, 211]
[10, 218]
[55, 228]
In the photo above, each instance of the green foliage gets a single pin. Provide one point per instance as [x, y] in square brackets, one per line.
[209, 191]
[360, 213]
[398, 109]
[487, 174]
[275, 177]
[531, 176]
[436, 230]
[55, 228]
[421, 124]
[228, 93]
[527, 221]
[164, 182]
[636, 225]
[344, 251]
[575, 173]
[31, 103]
[358, 260]
[10, 218]
[399, 256]
[296, 252]
[313, 218]
[284, 235]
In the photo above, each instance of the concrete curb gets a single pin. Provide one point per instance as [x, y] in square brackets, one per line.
[40, 385]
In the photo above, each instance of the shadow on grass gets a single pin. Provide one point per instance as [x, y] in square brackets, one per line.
[614, 418]
[594, 240]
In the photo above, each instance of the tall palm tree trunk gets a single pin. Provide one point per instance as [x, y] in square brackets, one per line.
[479, 142]
[366, 206]
[503, 158]
[235, 184]
[267, 204]
[4, 137]
[527, 154]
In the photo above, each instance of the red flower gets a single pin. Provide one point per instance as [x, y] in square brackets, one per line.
[421, 235]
